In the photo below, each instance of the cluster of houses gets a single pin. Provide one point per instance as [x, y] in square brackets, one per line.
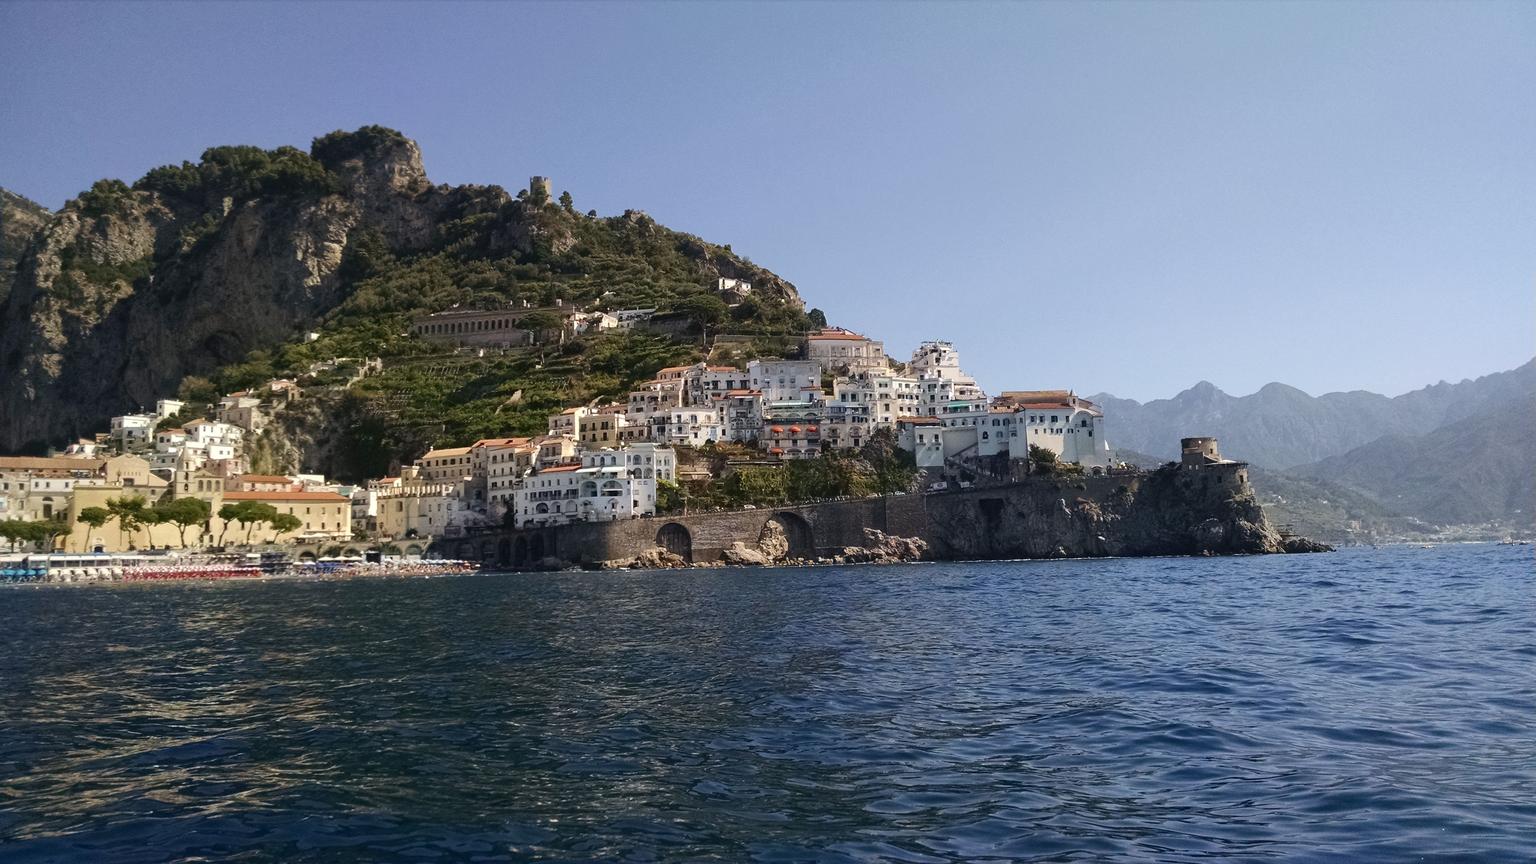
[594, 462]
[604, 462]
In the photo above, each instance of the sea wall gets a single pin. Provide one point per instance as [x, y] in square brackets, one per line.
[1204, 511]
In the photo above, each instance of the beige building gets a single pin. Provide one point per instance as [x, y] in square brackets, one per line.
[844, 351]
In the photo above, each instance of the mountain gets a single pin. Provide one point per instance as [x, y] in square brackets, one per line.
[1282, 427]
[204, 276]
[20, 221]
[1476, 469]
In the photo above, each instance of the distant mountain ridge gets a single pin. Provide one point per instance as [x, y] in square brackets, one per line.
[1447, 454]
[1480, 468]
[1282, 427]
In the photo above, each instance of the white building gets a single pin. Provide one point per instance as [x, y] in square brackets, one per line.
[924, 438]
[785, 380]
[694, 427]
[208, 432]
[888, 396]
[133, 431]
[606, 486]
[629, 319]
[742, 413]
[1058, 421]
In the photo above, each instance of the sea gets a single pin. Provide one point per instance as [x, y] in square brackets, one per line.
[1360, 706]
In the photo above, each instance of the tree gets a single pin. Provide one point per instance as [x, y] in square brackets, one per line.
[1043, 460]
[253, 513]
[893, 467]
[542, 322]
[817, 318]
[149, 519]
[96, 517]
[567, 203]
[183, 513]
[706, 309]
[669, 496]
[129, 513]
[51, 530]
[227, 514]
[284, 523]
[12, 530]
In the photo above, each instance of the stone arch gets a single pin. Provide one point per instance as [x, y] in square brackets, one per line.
[504, 552]
[351, 552]
[536, 547]
[413, 550]
[306, 555]
[520, 551]
[674, 538]
[788, 535]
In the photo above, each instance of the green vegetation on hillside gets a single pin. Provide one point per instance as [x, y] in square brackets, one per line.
[878, 468]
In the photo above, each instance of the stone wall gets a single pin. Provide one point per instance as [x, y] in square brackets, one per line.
[1166, 512]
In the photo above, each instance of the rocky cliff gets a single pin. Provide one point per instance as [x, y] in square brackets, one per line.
[128, 290]
[20, 222]
[1163, 512]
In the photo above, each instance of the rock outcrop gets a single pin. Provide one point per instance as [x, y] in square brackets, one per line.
[21, 220]
[128, 290]
[1210, 511]
[656, 558]
[882, 548]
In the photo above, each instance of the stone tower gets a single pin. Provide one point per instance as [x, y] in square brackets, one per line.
[539, 186]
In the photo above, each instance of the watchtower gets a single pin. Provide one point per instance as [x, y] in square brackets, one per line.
[1199, 452]
[539, 186]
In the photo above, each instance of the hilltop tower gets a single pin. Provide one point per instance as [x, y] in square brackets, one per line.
[539, 187]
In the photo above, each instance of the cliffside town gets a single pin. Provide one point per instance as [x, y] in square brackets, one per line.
[686, 429]
[341, 354]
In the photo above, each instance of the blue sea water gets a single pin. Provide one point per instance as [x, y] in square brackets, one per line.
[1368, 705]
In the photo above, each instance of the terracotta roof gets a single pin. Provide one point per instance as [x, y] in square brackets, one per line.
[1036, 395]
[284, 496]
[837, 333]
[723, 369]
[261, 478]
[499, 442]
[560, 469]
[50, 463]
[447, 451]
[743, 392]
[672, 369]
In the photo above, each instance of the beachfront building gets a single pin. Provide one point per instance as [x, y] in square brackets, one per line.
[606, 485]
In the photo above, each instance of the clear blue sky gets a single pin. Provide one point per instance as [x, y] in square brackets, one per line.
[1121, 197]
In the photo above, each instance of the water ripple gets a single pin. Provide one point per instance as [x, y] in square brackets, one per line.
[1363, 706]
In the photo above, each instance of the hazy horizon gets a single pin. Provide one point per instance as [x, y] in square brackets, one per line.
[1112, 198]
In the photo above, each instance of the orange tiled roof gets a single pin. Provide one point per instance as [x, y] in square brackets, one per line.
[283, 496]
[261, 478]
